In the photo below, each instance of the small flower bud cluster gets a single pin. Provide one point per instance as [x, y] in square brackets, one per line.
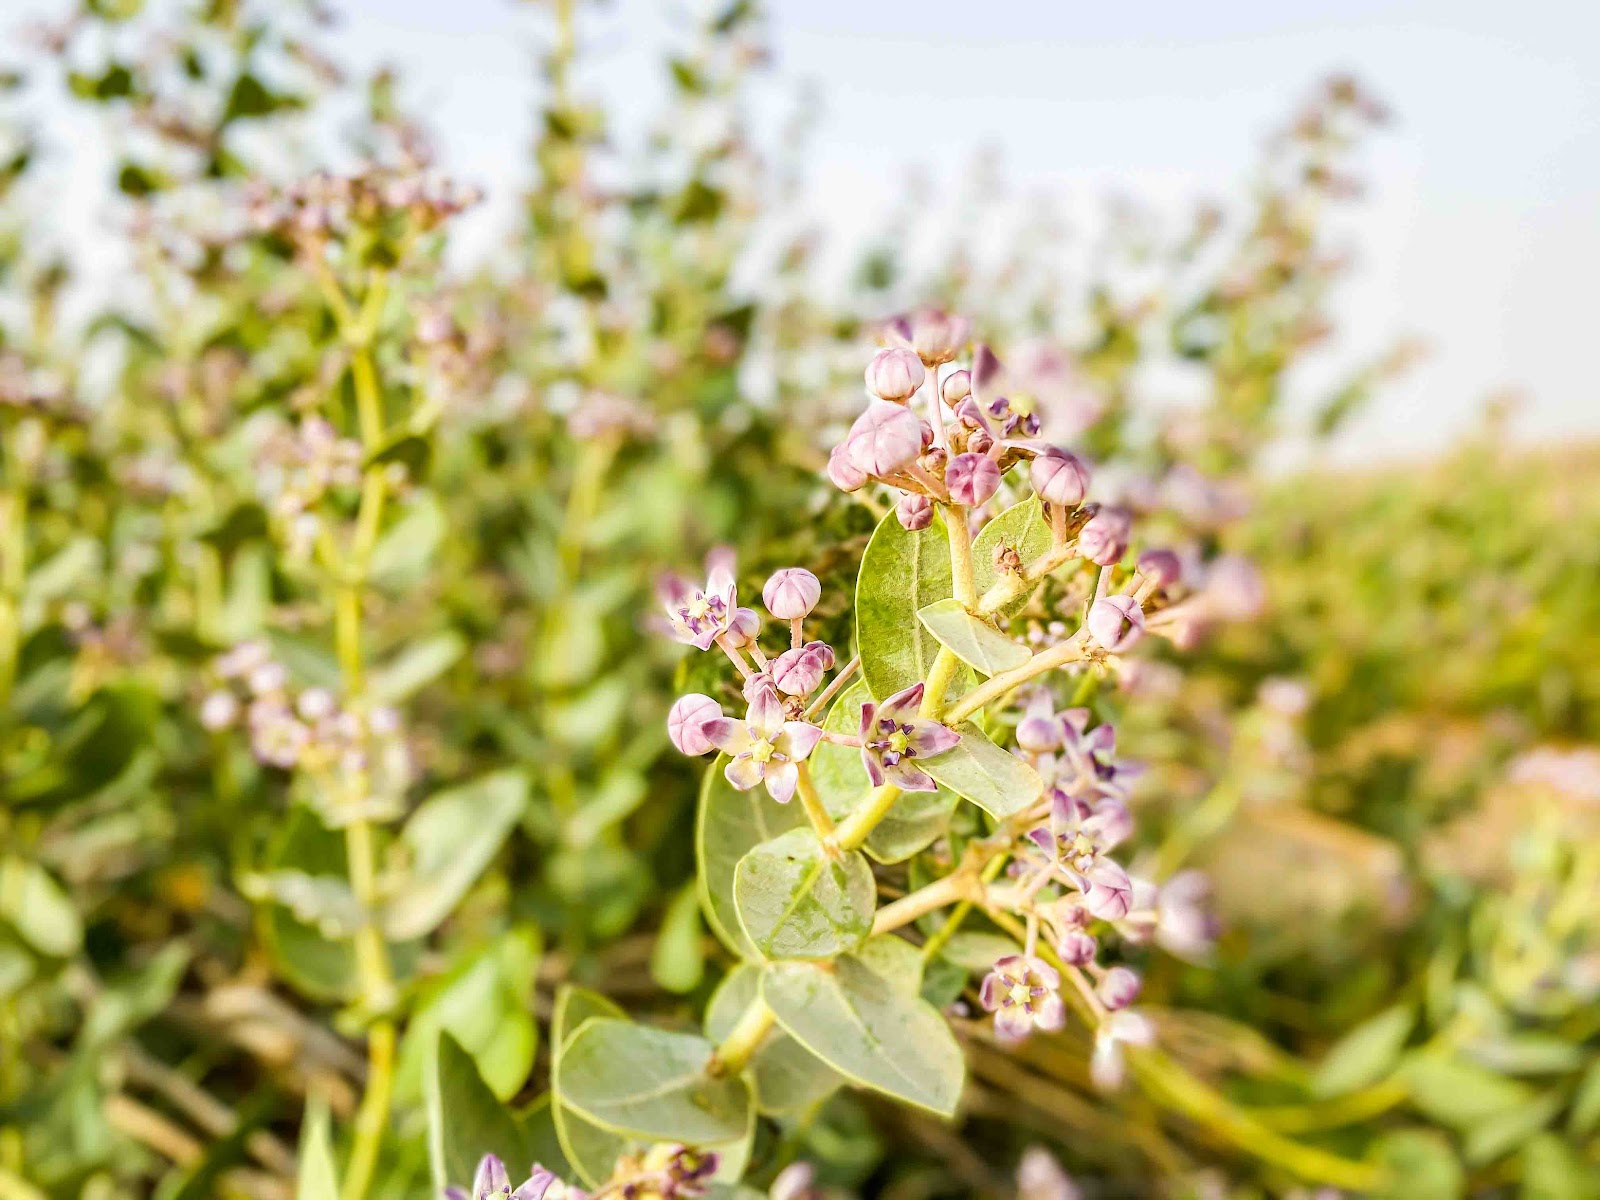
[325, 207]
[665, 1171]
[775, 736]
[308, 730]
[297, 467]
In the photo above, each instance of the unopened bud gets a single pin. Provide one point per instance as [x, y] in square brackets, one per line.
[972, 479]
[1060, 478]
[895, 374]
[686, 723]
[915, 512]
[791, 593]
[957, 386]
[1104, 540]
[1116, 623]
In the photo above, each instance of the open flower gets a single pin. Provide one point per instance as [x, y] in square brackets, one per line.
[763, 748]
[894, 739]
[698, 615]
[936, 336]
[491, 1182]
[1107, 1065]
[1023, 992]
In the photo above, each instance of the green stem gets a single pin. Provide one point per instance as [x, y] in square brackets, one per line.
[821, 822]
[744, 1039]
[962, 577]
[1046, 660]
[855, 829]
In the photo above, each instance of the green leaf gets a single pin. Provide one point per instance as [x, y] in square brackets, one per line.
[1365, 1054]
[862, 1015]
[591, 1149]
[1498, 1135]
[796, 902]
[1420, 1166]
[1552, 1170]
[405, 552]
[1584, 1118]
[678, 960]
[38, 908]
[1459, 1094]
[650, 1083]
[451, 837]
[318, 1178]
[996, 781]
[1022, 528]
[418, 665]
[465, 1120]
[916, 820]
[786, 1076]
[486, 1004]
[977, 952]
[540, 1122]
[728, 825]
[972, 639]
[901, 573]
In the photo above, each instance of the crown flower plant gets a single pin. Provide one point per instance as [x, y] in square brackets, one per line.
[953, 778]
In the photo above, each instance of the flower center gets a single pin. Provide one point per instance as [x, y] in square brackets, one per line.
[762, 750]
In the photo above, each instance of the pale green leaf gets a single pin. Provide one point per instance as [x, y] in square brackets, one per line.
[38, 908]
[859, 1016]
[787, 1077]
[678, 960]
[452, 837]
[1022, 528]
[901, 572]
[591, 1149]
[972, 639]
[1457, 1093]
[1365, 1054]
[796, 902]
[465, 1120]
[1500, 1134]
[416, 666]
[728, 825]
[995, 780]
[650, 1083]
[1420, 1165]
[317, 1178]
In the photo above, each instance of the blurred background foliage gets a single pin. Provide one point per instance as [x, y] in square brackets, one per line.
[1383, 774]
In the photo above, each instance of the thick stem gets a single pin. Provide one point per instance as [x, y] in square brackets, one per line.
[1046, 660]
[855, 829]
[373, 1115]
[956, 886]
[963, 578]
[743, 1040]
[821, 822]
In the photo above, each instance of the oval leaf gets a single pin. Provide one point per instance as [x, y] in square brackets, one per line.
[996, 781]
[650, 1083]
[591, 1149]
[452, 836]
[796, 902]
[860, 1017]
[728, 825]
[465, 1121]
[1022, 528]
[1365, 1054]
[901, 572]
[786, 1076]
[972, 639]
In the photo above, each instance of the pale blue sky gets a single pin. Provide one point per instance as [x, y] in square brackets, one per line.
[1481, 234]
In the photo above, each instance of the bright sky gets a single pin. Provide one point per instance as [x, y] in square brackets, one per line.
[1481, 233]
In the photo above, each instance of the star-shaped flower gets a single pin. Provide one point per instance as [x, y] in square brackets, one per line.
[763, 748]
[894, 740]
[698, 615]
[1023, 992]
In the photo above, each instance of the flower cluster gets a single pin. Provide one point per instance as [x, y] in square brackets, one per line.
[309, 730]
[326, 206]
[665, 1171]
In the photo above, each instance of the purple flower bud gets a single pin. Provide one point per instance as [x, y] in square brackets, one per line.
[972, 479]
[915, 512]
[957, 386]
[743, 628]
[1109, 892]
[1039, 733]
[895, 374]
[1059, 477]
[1077, 948]
[1116, 623]
[981, 441]
[935, 335]
[844, 474]
[884, 438]
[686, 721]
[1040, 1177]
[823, 653]
[1162, 568]
[1104, 540]
[791, 593]
[797, 672]
[795, 1182]
[1234, 590]
[491, 1179]
[988, 376]
[1119, 987]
